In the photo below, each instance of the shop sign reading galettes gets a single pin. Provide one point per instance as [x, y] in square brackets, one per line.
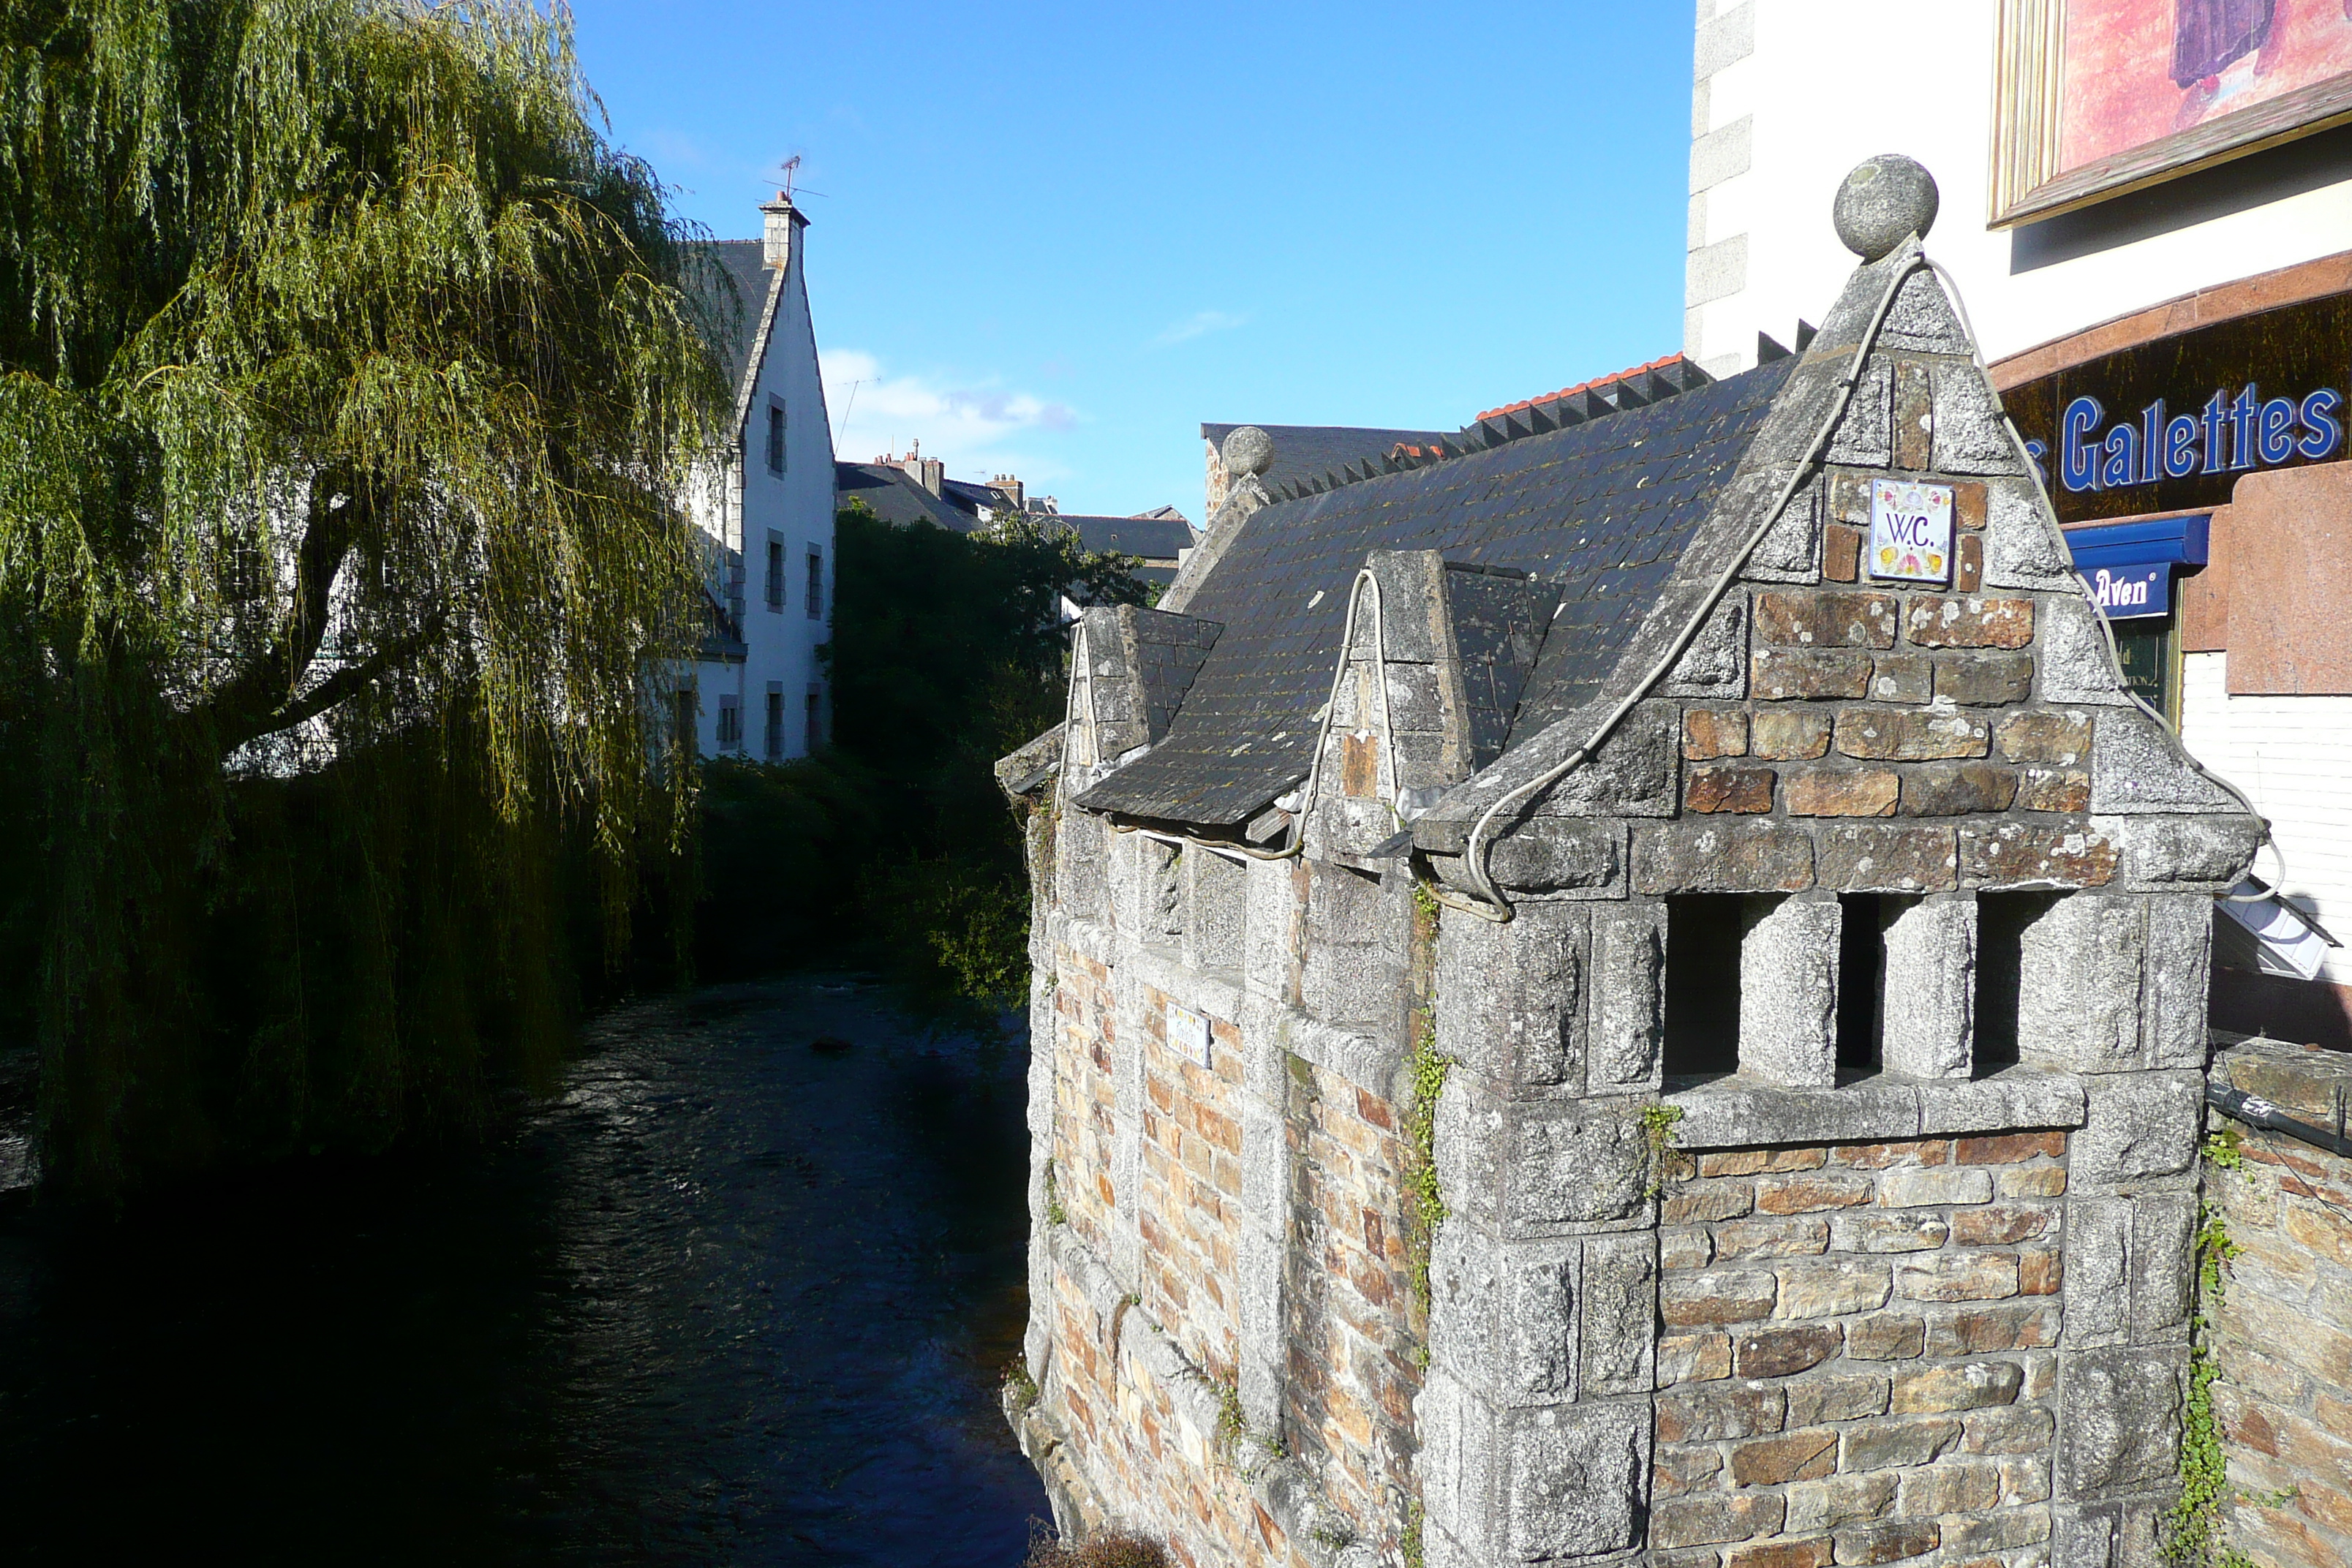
[2169, 424]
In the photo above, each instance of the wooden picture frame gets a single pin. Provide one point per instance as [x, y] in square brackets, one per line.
[2028, 67]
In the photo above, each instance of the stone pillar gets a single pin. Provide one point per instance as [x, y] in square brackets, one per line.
[1215, 892]
[1126, 1066]
[1535, 1416]
[1788, 990]
[2088, 1003]
[1262, 1241]
[1272, 900]
[1146, 890]
[1929, 1018]
[1629, 977]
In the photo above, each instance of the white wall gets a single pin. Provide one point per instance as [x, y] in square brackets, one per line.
[798, 504]
[2287, 755]
[1789, 94]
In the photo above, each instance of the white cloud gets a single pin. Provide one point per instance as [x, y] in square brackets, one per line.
[1197, 324]
[973, 429]
[670, 150]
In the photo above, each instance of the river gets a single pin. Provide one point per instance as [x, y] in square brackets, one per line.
[741, 1293]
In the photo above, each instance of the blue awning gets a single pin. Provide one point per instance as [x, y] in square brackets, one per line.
[2129, 564]
[2181, 539]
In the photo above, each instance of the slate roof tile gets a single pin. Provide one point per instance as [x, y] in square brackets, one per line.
[1603, 510]
[735, 297]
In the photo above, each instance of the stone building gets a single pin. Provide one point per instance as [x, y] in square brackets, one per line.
[2130, 245]
[1634, 994]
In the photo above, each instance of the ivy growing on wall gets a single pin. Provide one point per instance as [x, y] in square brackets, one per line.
[1427, 1069]
[2195, 1530]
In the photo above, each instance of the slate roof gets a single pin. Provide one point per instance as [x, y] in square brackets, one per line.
[970, 496]
[896, 499]
[1153, 538]
[1310, 452]
[1602, 508]
[743, 263]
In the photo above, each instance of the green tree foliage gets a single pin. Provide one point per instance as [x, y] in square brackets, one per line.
[350, 395]
[948, 651]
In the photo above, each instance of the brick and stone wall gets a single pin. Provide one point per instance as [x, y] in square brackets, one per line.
[1222, 1327]
[1859, 1361]
[2282, 1336]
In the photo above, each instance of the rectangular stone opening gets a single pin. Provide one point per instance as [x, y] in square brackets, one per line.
[1703, 932]
[2003, 920]
[1862, 979]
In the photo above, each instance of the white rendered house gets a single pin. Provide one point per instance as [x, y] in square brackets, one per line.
[758, 691]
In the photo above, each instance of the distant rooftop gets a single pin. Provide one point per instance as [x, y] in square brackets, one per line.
[1151, 536]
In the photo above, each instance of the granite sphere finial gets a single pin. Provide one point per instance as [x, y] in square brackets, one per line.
[1885, 201]
[1248, 450]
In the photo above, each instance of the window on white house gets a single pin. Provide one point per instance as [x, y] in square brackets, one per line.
[685, 716]
[730, 724]
[775, 572]
[775, 438]
[775, 722]
[816, 583]
[815, 722]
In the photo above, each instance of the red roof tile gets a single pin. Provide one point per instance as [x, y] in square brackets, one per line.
[1580, 386]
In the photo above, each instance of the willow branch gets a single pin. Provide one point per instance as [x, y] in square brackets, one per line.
[346, 682]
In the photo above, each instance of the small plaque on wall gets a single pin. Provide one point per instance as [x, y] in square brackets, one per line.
[1188, 1034]
[1910, 531]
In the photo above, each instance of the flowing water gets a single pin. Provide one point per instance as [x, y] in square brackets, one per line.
[742, 1293]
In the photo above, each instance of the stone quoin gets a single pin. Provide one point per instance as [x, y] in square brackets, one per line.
[1813, 958]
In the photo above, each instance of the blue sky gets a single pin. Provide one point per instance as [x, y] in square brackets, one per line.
[1052, 240]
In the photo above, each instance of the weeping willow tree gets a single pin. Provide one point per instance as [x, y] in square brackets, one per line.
[352, 392]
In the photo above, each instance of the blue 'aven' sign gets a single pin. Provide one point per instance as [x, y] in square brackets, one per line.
[2227, 434]
[2128, 592]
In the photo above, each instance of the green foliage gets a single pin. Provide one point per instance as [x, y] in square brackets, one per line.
[1054, 1212]
[351, 395]
[778, 845]
[1409, 1543]
[948, 652]
[1112, 1551]
[1018, 1385]
[1658, 1124]
[1428, 1069]
[1233, 1425]
[2194, 1531]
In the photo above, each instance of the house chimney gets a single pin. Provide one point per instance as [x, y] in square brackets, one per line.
[928, 472]
[784, 221]
[1014, 491]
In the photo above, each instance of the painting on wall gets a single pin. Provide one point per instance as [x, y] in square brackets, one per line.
[2095, 97]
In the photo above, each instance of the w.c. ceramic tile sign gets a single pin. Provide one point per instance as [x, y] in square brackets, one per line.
[1910, 530]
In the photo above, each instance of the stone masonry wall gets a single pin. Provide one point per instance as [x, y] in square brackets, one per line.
[1859, 1361]
[2283, 1339]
